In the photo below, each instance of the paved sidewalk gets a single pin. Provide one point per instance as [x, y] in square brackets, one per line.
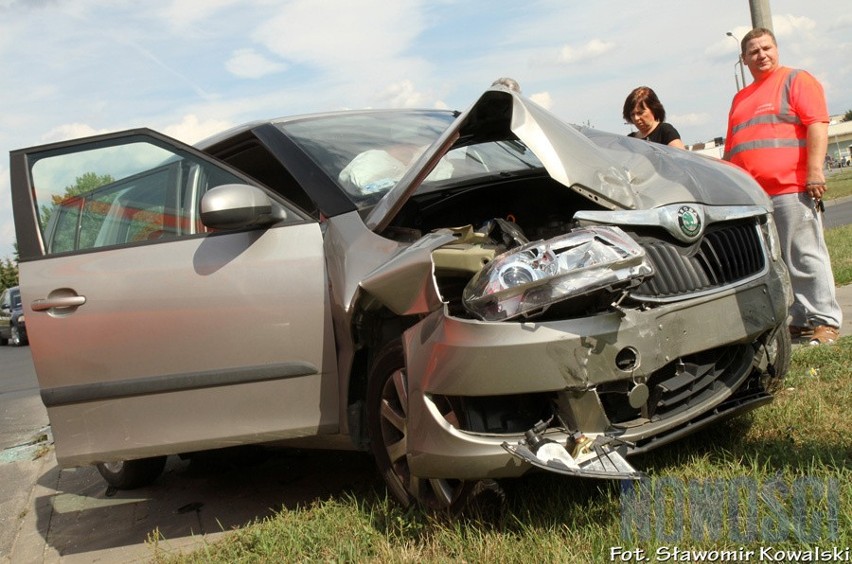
[844, 297]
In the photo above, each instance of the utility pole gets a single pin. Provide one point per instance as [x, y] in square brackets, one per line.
[761, 15]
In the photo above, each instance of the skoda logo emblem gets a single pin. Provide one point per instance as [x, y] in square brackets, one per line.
[689, 221]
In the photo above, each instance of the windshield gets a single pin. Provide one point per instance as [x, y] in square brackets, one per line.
[366, 153]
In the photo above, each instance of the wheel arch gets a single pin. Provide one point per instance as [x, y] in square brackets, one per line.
[371, 329]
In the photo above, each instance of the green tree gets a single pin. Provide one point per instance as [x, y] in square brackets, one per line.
[8, 273]
[847, 116]
[82, 184]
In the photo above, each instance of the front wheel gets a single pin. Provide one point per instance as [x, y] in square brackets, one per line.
[387, 423]
[781, 342]
[132, 474]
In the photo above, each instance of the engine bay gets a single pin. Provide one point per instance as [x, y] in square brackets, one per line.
[543, 256]
[540, 207]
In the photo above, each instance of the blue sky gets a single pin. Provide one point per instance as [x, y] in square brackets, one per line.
[190, 68]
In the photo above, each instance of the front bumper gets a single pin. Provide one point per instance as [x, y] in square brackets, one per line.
[447, 356]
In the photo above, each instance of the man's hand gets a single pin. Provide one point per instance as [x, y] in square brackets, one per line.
[815, 188]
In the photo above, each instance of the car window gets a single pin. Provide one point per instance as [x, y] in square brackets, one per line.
[253, 158]
[100, 195]
[334, 140]
[490, 158]
[367, 153]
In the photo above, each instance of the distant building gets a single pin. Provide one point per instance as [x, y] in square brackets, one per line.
[713, 148]
[840, 139]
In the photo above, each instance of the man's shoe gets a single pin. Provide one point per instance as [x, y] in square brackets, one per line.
[798, 333]
[824, 335]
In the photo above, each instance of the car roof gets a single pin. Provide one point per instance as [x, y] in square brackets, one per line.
[248, 126]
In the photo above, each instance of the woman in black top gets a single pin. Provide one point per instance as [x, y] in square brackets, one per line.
[643, 109]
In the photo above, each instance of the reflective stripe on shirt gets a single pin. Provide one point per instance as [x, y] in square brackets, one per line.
[784, 116]
[769, 118]
[766, 144]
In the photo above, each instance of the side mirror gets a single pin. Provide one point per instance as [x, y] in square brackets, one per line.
[237, 206]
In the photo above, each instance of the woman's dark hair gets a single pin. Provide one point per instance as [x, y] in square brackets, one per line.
[646, 97]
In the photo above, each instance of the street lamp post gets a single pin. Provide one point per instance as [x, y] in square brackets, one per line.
[739, 61]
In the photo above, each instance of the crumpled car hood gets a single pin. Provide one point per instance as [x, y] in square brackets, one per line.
[663, 175]
[614, 171]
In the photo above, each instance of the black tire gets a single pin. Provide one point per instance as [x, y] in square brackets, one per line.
[132, 474]
[387, 424]
[776, 371]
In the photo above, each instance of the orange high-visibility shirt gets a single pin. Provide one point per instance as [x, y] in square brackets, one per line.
[768, 128]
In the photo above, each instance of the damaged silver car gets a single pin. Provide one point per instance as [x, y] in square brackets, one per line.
[467, 295]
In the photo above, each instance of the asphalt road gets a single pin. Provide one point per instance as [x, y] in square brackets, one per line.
[69, 516]
[22, 415]
[837, 213]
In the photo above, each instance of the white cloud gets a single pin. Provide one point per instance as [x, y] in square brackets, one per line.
[182, 14]
[588, 51]
[727, 46]
[788, 25]
[335, 33]
[190, 129]
[70, 131]
[543, 99]
[403, 94]
[248, 63]
[353, 54]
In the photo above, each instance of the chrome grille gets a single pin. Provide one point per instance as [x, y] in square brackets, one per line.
[725, 255]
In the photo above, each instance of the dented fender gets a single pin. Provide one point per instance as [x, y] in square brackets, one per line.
[406, 283]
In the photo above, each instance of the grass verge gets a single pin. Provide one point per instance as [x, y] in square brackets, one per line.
[839, 241]
[839, 184]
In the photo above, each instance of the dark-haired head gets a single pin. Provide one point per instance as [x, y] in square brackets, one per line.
[643, 96]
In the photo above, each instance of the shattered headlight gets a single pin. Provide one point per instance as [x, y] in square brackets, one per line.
[545, 272]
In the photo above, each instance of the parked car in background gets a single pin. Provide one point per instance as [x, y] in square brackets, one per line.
[467, 295]
[13, 328]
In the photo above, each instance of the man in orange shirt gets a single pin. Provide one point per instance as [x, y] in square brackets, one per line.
[778, 132]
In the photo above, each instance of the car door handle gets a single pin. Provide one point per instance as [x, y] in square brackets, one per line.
[45, 304]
